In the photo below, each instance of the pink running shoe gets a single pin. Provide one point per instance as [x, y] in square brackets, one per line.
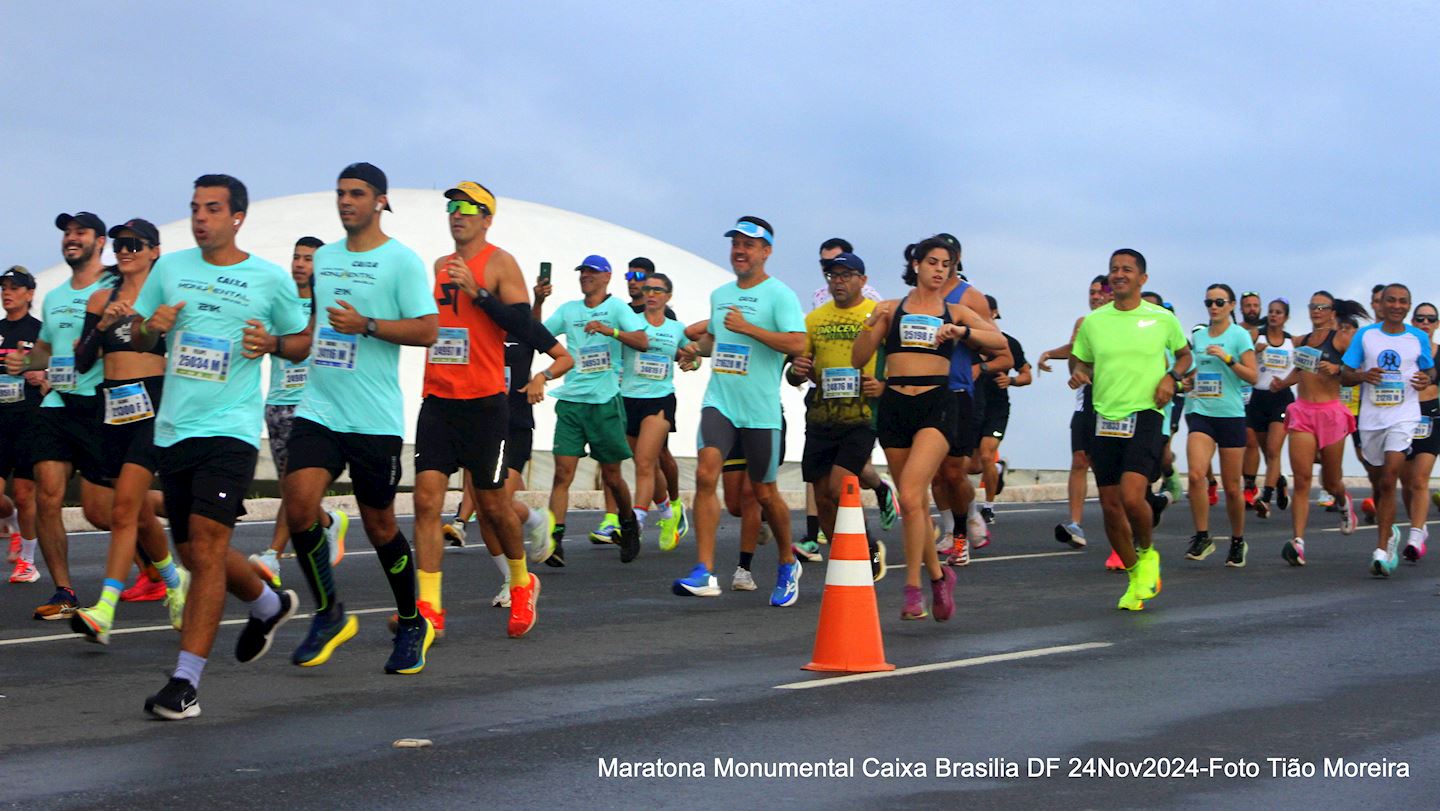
[1113, 563]
[914, 604]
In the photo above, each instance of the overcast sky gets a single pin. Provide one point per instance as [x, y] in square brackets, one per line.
[1283, 147]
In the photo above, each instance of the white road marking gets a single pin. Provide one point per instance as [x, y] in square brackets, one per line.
[974, 559]
[931, 668]
[150, 629]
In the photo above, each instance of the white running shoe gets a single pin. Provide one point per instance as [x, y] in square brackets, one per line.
[743, 580]
[335, 535]
[502, 599]
[454, 533]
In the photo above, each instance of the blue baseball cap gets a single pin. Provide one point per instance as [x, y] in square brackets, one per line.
[845, 260]
[753, 227]
[595, 262]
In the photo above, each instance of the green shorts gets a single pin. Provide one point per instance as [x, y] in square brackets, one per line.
[601, 426]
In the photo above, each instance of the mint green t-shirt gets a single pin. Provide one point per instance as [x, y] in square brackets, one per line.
[1127, 350]
[651, 373]
[596, 376]
[287, 378]
[354, 380]
[211, 388]
[744, 373]
[1218, 391]
[63, 319]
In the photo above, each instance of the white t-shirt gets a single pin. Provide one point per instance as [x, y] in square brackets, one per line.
[1394, 401]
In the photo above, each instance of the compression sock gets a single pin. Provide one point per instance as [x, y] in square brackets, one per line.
[167, 571]
[499, 561]
[265, 606]
[430, 587]
[27, 549]
[947, 524]
[812, 527]
[313, 555]
[189, 667]
[398, 562]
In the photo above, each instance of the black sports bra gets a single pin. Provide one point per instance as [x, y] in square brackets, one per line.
[1328, 352]
[114, 339]
[915, 332]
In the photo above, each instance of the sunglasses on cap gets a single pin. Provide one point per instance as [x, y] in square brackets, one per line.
[650, 288]
[129, 244]
[1216, 302]
[634, 275]
[465, 207]
[1249, 293]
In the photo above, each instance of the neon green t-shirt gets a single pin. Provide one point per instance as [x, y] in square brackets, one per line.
[1127, 350]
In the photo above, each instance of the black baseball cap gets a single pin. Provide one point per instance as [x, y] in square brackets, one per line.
[20, 275]
[370, 173]
[144, 229]
[84, 218]
[844, 260]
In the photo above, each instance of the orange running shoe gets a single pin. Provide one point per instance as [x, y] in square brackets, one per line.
[522, 607]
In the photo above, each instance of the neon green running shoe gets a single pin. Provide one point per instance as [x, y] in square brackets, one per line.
[1131, 599]
[608, 530]
[669, 531]
[1148, 563]
[93, 623]
[175, 598]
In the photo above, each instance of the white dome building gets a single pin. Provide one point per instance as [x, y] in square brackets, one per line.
[533, 233]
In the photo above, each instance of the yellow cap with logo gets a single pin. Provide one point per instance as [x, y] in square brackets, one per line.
[474, 192]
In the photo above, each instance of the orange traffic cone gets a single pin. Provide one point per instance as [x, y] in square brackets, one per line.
[848, 638]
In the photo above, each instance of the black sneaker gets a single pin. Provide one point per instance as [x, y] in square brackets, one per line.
[257, 635]
[1236, 558]
[557, 558]
[176, 701]
[988, 514]
[1200, 548]
[1262, 506]
[412, 642]
[877, 559]
[628, 539]
[1000, 467]
[1282, 494]
[1158, 502]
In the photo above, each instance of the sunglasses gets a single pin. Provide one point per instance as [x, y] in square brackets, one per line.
[129, 244]
[649, 288]
[1320, 308]
[464, 207]
[840, 274]
[1249, 293]
[1216, 302]
[1426, 319]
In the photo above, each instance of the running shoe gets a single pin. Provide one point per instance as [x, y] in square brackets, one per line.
[914, 605]
[669, 534]
[1070, 533]
[766, 535]
[1294, 551]
[787, 585]
[699, 583]
[975, 528]
[426, 610]
[628, 539]
[945, 543]
[1158, 502]
[1147, 563]
[988, 513]
[1262, 508]
[886, 497]
[1000, 467]
[335, 536]
[1131, 599]
[942, 594]
[502, 597]
[1174, 487]
[1113, 563]
[607, 531]
[267, 565]
[87, 621]
[1200, 548]
[1238, 552]
[1435, 497]
[557, 555]
[683, 527]
[523, 601]
[877, 559]
[539, 544]
[325, 635]
[1380, 565]
[742, 580]
[59, 607]
[1347, 516]
[1213, 493]
[1392, 549]
[959, 553]
[176, 701]
[808, 551]
[24, 572]
[412, 642]
[256, 636]
[1415, 551]
[14, 553]
[175, 598]
[1327, 501]
[144, 590]
[454, 533]
[1251, 493]
[819, 538]
[1282, 493]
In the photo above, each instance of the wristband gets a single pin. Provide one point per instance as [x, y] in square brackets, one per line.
[279, 345]
[1229, 360]
[615, 333]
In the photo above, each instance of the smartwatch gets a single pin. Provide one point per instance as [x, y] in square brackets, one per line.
[371, 327]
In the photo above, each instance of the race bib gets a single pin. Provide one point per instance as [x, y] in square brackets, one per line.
[1423, 428]
[128, 403]
[201, 357]
[451, 347]
[12, 389]
[1208, 384]
[1277, 359]
[594, 359]
[731, 359]
[1122, 429]
[61, 373]
[1307, 358]
[652, 366]
[293, 376]
[1246, 392]
[1389, 392]
[335, 350]
[919, 331]
[836, 383]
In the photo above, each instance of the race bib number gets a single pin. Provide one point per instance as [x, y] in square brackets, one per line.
[201, 357]
[1277, 359]
[594, 359]
[1121, 429]
[1423, 428]
[12, 389]
[1389, 392]
[1307, 358]
[919, 331]
[451, 347]
[1208, 384]
[652, 366]
[335, 350]
[1246, 392]
[61, 373]
[731, 359]
[128, 403]
[293, 376]
[839, 383]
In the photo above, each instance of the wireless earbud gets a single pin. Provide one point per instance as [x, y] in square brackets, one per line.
[237, 223]
[379, 207]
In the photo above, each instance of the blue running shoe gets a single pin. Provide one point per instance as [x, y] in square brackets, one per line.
[787, 585]
[325, 635]
[412, 642]
[700, 582]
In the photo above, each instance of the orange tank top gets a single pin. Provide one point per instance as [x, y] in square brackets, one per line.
[468, 359]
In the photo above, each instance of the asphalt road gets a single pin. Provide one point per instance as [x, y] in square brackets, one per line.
[1237, 666]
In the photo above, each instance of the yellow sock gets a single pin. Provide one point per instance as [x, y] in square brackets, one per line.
[518, 575]
[430, 588]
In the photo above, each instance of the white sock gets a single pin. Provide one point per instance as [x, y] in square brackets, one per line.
[499, 561]
[974, 511]
[989, 505]
[640, 518]
[266, 605]
[27, 549]
[533, 520]
[12, 522]
[947, 523]
[1417, 536]
[663, 508]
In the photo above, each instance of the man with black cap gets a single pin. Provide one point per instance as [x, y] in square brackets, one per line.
[19, 409]
[372, 296]
[67, 435]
